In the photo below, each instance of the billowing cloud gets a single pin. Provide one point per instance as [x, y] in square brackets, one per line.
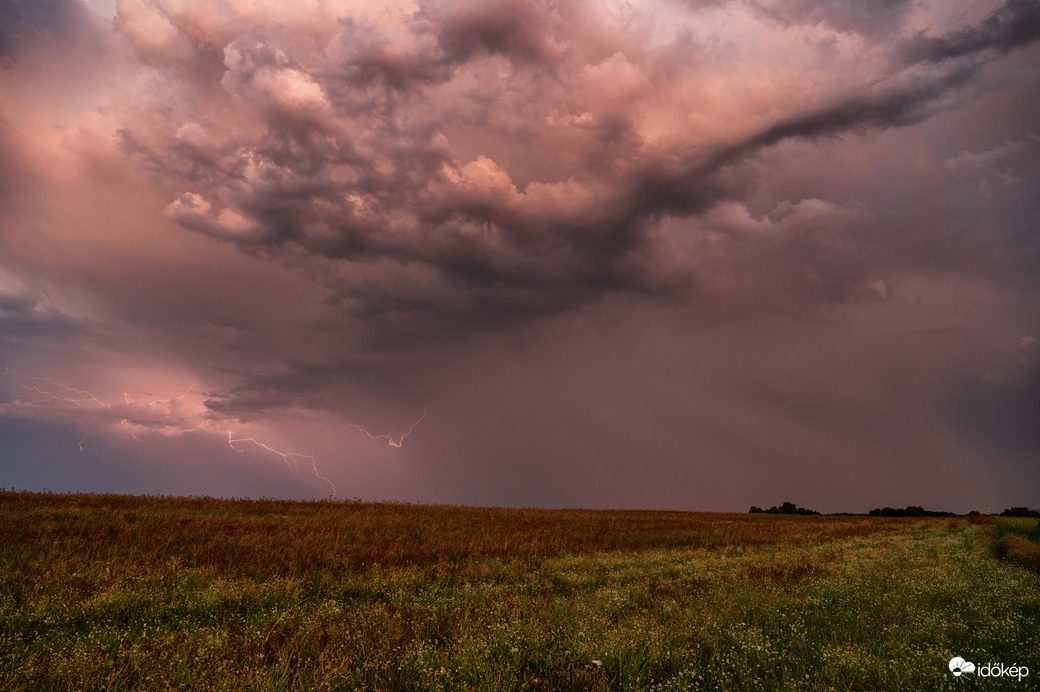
[1013, 25]
[325, 215]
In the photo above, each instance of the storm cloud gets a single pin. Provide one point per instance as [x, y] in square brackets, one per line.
[319, 220]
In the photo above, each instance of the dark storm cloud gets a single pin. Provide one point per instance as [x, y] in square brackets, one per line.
[23, 19]
[905, 100]
[366, 55]
[23, 318]
[953, 326]
[647, 251]
[694, 186]
[892, 107]
[519, 31]
[19, 324]
[25, 24]
[442, 36]
[344, 173]
[298, 385]
[860, 16]
[863, 16]
[1003, 415]
[352, 180]
[1015, 24]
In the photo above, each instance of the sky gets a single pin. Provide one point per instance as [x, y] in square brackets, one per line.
[674, 254]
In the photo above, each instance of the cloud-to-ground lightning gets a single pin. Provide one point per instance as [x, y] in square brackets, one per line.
[290, 458]
[137, 443]
[82, 439]
[390, 438]
[58, 392]
[65, 394]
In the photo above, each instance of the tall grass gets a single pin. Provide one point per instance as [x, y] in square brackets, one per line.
[103, 592]
[1018, 539]
[247, 537]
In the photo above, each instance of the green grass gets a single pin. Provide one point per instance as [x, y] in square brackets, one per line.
[102, 592]
[1018, 539]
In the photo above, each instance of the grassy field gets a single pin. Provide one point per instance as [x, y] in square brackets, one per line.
[107, 592]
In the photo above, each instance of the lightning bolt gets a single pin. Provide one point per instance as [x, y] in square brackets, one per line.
[56, 391]
[176, 398]
[82, 439]
[290, 458]
[389, 438]
[137, 442]
[65, 393]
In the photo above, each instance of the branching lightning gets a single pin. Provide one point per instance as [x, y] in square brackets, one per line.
[77, 397]
[67, 394]
[57, 392]
[389, 438]
[290, 458]
[176, 398]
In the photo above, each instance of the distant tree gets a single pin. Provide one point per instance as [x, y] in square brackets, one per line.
[785, 508]
[911, 511]
[755, 510]
[1020, 512]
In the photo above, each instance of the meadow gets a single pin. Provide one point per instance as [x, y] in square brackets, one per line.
[116, 592]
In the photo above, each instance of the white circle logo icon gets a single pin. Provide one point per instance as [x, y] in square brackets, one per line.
[958, 666]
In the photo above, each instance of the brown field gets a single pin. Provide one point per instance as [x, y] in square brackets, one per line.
[244, 537]
[111, 592]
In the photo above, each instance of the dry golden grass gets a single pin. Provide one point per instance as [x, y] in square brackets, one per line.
[245, 537]
[1018, 539]
[128, 593]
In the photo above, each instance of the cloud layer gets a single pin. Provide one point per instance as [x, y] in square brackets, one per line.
[335, 213]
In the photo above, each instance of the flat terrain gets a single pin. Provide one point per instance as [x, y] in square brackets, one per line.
[110, 592]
